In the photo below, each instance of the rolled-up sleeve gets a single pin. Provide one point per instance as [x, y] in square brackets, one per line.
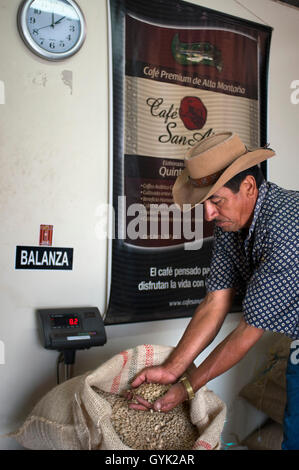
[271, 300]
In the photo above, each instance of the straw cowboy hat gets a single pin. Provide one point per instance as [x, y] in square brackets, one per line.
[212, 163]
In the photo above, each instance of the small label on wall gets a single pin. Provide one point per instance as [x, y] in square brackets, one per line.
[46, 235]
[33, 257]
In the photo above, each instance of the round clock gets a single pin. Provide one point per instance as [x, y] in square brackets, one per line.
[52, 29]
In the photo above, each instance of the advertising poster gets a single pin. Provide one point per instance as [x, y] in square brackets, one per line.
[179, 73]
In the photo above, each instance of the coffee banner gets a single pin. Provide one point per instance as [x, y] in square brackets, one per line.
[180, 73]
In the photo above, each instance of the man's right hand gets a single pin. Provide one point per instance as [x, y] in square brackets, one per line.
[156, 374]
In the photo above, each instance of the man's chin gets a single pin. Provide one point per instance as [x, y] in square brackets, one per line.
[227, 226]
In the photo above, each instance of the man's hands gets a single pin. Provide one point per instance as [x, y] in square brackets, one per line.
[202, 329]
[158, 374]
[175, 395]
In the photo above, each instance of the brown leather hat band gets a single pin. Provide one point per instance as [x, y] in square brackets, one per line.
[206, 180]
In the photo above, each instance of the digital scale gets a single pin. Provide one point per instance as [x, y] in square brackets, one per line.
[68, 329]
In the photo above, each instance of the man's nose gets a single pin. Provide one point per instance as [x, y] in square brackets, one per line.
[210, 211]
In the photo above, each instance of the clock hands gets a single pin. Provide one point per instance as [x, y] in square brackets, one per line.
[52, 25]
[60, 19]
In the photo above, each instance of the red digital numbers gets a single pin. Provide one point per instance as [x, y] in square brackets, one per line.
[73, 321]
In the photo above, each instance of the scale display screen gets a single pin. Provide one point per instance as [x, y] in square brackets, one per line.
[71, 328]
[65, 321]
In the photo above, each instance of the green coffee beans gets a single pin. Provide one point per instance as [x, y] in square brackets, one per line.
[150, 430]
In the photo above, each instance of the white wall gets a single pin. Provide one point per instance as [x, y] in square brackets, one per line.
[54, 170]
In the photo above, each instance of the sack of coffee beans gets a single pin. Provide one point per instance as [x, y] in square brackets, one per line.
[90, 412]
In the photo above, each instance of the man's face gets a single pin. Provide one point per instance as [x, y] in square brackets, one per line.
[232, 212]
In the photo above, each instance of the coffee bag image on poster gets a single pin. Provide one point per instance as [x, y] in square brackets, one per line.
[180, 73]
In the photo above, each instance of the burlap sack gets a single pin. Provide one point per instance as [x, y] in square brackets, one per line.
[74, 416]
[268, 437]
[267, 392]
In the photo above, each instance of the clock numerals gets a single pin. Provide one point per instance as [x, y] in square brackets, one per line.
[53, 29]
[57, 36]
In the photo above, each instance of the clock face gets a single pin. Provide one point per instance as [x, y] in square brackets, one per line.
[53, 29]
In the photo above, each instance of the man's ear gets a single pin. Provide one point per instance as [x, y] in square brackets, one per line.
[249, 186]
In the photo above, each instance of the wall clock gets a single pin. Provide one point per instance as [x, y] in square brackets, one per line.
[52, 29]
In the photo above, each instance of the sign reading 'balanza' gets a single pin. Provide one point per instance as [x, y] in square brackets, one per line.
[32, 257]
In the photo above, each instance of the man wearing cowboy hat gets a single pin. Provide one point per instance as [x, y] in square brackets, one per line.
[255, 254]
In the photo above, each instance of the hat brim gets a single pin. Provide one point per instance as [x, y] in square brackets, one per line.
[185, 193]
